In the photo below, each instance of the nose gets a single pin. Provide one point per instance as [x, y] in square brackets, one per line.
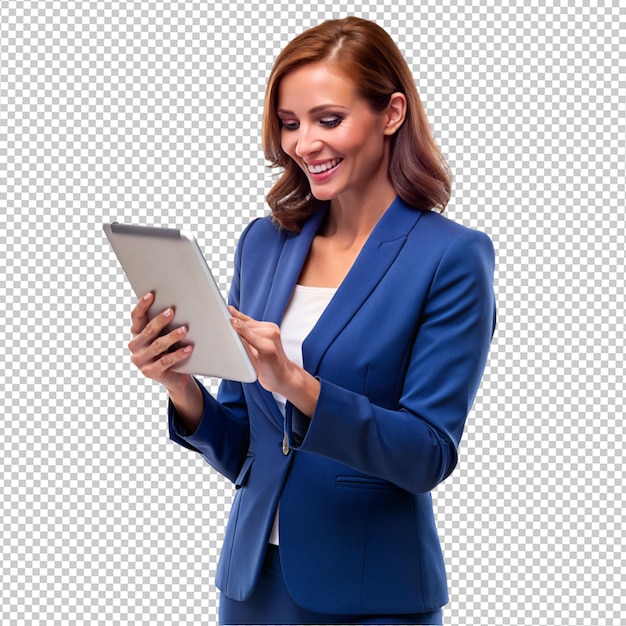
[308, 141]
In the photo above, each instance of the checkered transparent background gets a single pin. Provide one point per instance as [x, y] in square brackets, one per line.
[149, 112]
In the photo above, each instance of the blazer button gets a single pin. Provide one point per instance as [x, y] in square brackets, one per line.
[285, 445]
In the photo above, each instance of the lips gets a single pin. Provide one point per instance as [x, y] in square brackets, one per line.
[320, 168]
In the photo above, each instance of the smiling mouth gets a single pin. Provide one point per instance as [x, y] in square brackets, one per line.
[323, 167]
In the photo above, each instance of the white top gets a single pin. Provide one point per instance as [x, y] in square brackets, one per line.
[303, 312]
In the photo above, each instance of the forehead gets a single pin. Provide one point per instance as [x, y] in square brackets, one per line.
[313, 84]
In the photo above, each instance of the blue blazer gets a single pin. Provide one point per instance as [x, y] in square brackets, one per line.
[399, 351]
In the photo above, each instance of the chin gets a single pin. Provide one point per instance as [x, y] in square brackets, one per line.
[322, 197]
[323, 194]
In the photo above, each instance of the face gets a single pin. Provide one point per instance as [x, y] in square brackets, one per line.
[332, 134]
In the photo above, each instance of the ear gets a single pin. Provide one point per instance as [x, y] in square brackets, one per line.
[395, 113]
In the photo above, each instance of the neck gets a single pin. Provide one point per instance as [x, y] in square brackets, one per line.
[356, 218]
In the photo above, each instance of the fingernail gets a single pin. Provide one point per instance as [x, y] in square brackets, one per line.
[147, 296]
[181, 330]
[187, 349]
[167, 312]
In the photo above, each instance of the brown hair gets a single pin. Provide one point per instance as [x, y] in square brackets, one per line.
[367, 55]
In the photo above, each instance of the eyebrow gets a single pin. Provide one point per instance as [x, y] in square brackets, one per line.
[320, 107]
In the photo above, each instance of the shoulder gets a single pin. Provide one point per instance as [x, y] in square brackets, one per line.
[446, 232]
[436, 240]
[460, 256]
[261, 227]
[426, 231]
[261, 233]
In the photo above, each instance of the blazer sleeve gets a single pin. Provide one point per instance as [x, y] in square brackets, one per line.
[414, 445]
[223, 435]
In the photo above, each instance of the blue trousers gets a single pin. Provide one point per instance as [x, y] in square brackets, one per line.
[271, 604]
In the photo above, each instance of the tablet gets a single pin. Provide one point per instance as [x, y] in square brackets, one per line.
[169, 263]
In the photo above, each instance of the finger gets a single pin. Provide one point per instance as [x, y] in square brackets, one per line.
[158, 368]
[163, 343]
[242, 316]
[242, 321]
[151, 330]
[170, 359]
[162, 346]
[253, 353]
[243, 327]
[139, 314]
[264, 337]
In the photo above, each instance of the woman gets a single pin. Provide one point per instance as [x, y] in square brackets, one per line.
[368, 317]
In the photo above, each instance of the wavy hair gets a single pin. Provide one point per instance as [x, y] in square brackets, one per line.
[367, 55]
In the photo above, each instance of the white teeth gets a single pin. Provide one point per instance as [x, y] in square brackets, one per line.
[323, 167]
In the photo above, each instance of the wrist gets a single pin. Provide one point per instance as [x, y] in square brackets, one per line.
[301, 389]
[188, 402]
[180, 387]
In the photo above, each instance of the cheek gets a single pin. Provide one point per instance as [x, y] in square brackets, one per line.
[359, 140]
[288, 143]
[371, 146]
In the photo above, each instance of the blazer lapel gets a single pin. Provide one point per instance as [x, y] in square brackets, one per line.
[372, 263]
[289, 267]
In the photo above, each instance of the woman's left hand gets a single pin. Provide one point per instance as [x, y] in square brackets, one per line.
[276, 373]
[265, 348]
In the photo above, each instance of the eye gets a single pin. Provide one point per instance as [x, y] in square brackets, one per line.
[331, 122]
[289, 124]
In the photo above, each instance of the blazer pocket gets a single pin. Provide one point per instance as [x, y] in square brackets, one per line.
[365, 482]
[244, 471]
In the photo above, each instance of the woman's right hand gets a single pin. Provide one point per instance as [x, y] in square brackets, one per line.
[151, 350]
[151, 354]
